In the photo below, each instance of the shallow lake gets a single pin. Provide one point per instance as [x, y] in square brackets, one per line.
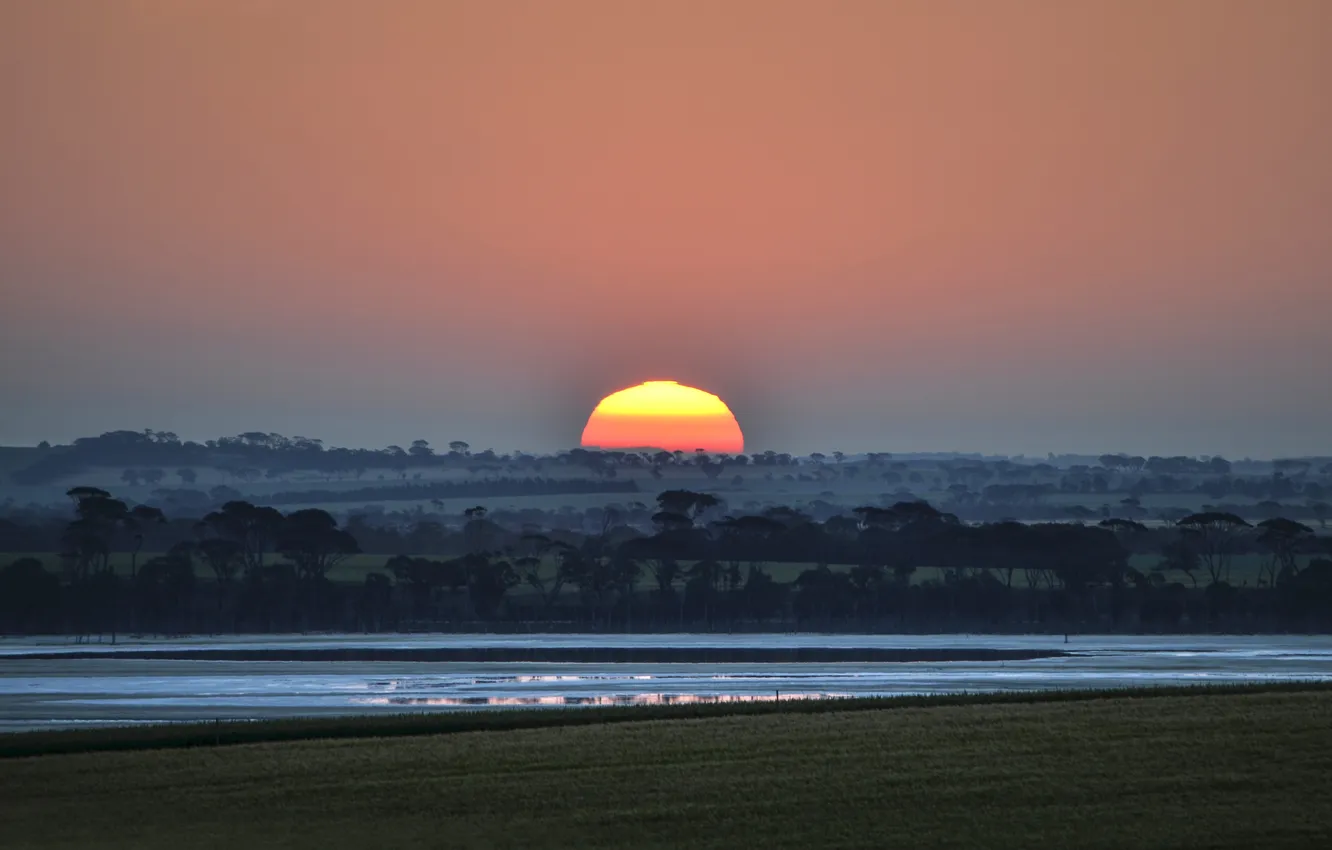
[43, 686]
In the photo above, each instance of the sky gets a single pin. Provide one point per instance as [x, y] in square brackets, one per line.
[996, 225]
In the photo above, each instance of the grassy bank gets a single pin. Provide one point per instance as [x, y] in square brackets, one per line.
[228, 733]
[1203, 769]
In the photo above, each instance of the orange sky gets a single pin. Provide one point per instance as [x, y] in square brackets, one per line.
[1000, 226]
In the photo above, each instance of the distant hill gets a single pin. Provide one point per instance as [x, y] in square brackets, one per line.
[15, 458]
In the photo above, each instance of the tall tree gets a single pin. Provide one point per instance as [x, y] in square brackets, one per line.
[686, 503]
[251, 527]
[1214, 535]
[1282, 538]
[488, 580]
[311, 540]
[90, 538]
[423, 578]
[135, 521]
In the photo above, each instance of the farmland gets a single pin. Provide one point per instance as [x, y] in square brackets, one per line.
[787, 541]
[970, 486]
[1202, 770]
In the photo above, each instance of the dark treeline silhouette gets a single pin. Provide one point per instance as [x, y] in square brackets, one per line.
[976, 489]
[685, 564]
[149, 456]
[486, 489]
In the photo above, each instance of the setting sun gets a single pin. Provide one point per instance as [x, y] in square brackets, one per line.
[664, 415]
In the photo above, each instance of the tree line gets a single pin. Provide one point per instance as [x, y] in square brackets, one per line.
[694, 565]
[149, 454]
[973, 488]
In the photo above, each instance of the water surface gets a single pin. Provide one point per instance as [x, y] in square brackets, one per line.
[58, 691]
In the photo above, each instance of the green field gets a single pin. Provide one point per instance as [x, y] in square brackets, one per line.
[828, 484]
[1206, 770]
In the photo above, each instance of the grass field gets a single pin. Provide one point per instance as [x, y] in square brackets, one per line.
[756, 486]
[1207, 770]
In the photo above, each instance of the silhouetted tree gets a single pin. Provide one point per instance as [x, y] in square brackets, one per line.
[1214, 536]
[1282, 538]
[686, 503]
[311, 540]
[89, 538]
[252, 528]
[135, 520]
[164, 590]
[1178, 555]
[864, 561]
[422, 577]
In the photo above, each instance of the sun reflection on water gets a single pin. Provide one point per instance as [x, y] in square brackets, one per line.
[599, 699]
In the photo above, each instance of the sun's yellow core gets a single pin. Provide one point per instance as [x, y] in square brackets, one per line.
[666, 415]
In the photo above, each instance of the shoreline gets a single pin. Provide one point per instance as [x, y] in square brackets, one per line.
[571, 655]
[223, 733]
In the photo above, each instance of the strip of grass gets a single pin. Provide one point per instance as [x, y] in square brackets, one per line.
[1239, 769]
[215, 734]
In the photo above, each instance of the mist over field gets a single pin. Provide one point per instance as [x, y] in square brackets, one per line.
[265, 533]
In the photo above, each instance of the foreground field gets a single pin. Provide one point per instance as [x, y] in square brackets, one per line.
[1207, 770]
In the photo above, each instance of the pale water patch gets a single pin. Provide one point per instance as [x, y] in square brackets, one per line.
[47, 693]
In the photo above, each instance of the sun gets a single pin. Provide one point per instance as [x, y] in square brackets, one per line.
[663, 415]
